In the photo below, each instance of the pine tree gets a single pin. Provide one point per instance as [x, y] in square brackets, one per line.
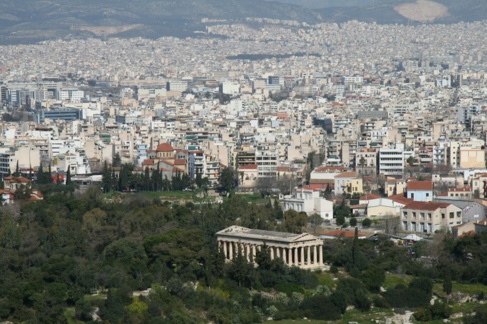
[447, 284]
[49, 178]
[17, 170]
[106, 179]
[68, 176]
[40, 175]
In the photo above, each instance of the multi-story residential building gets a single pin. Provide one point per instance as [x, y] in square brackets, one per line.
[391, 162]
[71, 94]
[267, 160]
[429, 217]
[308, 200]
[348, 183]
[366, 161]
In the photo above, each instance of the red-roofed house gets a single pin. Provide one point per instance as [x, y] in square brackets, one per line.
[462, 193]
[165, 151]
[428, 217]
[348, 182]
[364, 199]
[325, 176]
[247, 175]
[341, 234]
[420, 190]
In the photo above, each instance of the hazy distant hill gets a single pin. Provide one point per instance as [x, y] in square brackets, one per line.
[383, 11]
[30, 20]
[23, 21]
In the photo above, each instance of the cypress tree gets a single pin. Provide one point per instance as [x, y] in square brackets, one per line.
[68, 176]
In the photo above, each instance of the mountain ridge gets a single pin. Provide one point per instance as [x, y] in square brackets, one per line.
[28, 21]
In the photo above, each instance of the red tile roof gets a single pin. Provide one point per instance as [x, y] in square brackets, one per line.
[340, 233]
[423, 205]
[401, 199]
[17, 179]
[164, 147]
[148, 162]
[369, 197]
[248, 167]
[464, 189]
[180, 162]
[420, 185]
[348, 174]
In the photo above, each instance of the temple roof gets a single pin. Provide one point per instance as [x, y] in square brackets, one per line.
[247, 233]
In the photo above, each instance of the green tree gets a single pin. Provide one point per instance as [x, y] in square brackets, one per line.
[263, 258]
[340, 220]
[361, 163]
[68, 176]
[366, 222]
[294, 221]
[353, 222]
[17, 170]
[447, 283]
[373, 278]
[227, 180]
[117, 160]
[106, 181]
[315, 221]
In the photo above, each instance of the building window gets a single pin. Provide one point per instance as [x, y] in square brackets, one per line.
[452, 215]
[459, 214]
[414, 214]
[429, 215]
[443, 216]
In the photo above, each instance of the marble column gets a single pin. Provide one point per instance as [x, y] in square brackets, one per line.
[296, 262]
[225, 250]
[320, 254]
[230, 246]
[284, 255]
[247, 252]
[290, 256]
[254, 252]
[271, 252]
[315, 257]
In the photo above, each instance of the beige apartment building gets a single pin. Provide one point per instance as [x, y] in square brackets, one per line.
[429, 217]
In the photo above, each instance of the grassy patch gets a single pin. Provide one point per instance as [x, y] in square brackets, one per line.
[366, 317]
[96, 297]
[69, 315]
[464, 308]
[469, 289]
[255, 198]
[297, 321]
[326, 279]
[392, 280]
[167, 195]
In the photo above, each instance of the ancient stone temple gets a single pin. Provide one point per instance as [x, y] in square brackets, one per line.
[299, 250]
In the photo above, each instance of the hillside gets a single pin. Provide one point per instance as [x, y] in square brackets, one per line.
[30, 20]
[398, 11]
[27, 21]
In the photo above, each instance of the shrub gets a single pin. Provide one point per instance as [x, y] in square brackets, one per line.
[320, 307]
[366, 222]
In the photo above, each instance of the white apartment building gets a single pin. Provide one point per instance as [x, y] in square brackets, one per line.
[391, 161]
[71, 94]
[267, 160]
[307, 200]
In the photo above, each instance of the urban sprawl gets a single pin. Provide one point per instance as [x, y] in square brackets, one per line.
[391, 118]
